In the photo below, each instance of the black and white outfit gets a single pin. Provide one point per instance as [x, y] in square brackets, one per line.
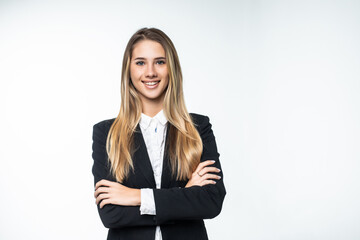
[168, 210]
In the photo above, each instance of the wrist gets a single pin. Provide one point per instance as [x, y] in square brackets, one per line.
[137, 197]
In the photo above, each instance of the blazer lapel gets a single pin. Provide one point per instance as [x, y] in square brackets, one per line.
[141, 157]
[166, 171]
[142, 160]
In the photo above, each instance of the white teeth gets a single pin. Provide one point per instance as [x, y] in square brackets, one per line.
[151, 83]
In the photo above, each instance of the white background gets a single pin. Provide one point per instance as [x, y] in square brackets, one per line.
[278, 79]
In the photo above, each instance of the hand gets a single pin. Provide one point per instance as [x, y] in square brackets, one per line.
[109, 192]
[202, 170]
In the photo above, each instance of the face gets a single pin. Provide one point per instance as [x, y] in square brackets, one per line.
[148, 71]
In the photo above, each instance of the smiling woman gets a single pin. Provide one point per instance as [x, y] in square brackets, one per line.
[148, 70]
[157, 172]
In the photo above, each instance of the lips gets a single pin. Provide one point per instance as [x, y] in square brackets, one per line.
[151, 84]
[150, 81]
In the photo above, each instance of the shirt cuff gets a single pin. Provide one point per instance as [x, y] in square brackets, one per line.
[147, 202]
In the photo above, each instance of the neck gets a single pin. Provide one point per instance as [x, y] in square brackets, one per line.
[152, 107]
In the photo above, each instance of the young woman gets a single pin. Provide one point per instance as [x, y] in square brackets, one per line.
[156, 169]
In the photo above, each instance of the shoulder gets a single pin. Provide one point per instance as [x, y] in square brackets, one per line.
[199, 119]
[203, 125]
[103, 125]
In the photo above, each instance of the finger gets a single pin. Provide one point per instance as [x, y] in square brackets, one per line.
[101, 190]
[103, 182]
[104, 202]
[206, 182]
[211, 176]
[203, 164]
[101, 197]
[210, 169]
[100, 183]
[205, 170]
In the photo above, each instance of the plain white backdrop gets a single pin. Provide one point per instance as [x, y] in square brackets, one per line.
[280, 81]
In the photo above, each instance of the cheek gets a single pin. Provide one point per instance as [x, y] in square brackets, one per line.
[165, 74]
[133, 78]
[166, 82]
[165, 71]
[134, 73]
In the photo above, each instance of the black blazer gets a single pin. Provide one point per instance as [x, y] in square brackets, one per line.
[179, 211]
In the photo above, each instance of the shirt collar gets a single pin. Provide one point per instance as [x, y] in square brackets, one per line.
[145, 119]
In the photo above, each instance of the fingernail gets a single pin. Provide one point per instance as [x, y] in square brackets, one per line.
[213, 161]
[219, 170]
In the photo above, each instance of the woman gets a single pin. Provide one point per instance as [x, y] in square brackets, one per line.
[156, 169]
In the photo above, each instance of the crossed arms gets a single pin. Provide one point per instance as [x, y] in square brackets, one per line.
[195, 202]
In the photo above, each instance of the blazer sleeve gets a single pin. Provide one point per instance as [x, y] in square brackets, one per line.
[196, 202]
[113, 216]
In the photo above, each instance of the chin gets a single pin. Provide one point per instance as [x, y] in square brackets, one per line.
[153, 96]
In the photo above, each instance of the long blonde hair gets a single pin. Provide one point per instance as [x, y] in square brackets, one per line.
[184, 146]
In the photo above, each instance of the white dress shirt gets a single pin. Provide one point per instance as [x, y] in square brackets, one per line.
[154, 132]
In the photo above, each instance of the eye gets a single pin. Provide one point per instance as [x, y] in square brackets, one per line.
[160, 62]
[140, 63]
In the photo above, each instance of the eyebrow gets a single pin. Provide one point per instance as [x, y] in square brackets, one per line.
[141, 58]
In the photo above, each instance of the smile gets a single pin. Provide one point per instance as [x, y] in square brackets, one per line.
[151, 84]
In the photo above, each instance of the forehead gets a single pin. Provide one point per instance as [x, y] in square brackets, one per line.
[148, 49]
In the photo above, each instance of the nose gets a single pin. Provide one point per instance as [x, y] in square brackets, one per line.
[150, 71]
